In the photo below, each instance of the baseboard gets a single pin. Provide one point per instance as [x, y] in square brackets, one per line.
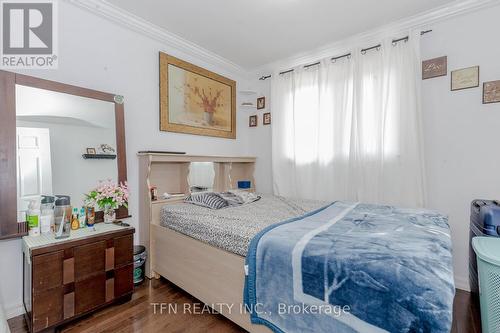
[14, 311]
[462, 283]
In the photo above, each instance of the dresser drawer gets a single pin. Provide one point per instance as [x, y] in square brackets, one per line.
[124, 280]
[124, 250]
[90, 293]
[47, 271]
[47, 308]
[89, 260]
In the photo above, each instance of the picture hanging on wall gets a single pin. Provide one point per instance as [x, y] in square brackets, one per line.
[252, 121]
[491, 92]
[261, 103]
[266, 118]
[434, 67]
[194, 100]
[465, 78]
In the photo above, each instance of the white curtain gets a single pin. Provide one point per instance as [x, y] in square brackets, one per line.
[350, 129]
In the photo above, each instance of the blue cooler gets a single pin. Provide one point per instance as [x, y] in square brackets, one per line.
[484, 221]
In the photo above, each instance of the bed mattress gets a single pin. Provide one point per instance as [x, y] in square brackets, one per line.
[233, 228]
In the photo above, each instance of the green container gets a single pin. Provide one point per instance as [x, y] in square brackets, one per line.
[32, 221]
[488, 263]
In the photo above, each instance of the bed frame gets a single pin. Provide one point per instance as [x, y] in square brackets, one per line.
[210, 274]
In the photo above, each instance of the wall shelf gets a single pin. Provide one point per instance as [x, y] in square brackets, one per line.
[250, 106]
[247, 92]
[99, 156]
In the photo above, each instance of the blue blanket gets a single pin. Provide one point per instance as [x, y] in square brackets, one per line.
[353, 268]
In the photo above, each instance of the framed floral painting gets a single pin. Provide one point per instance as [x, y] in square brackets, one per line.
[194, 100]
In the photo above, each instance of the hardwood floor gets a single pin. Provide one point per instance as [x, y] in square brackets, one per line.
[466, 313]
[138, 315]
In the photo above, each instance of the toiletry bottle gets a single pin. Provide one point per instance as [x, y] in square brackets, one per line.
[45, 222]
[75, 223]
[34, 217]
[82, 217]
[62, 214]
[47, 215]
[90, 220]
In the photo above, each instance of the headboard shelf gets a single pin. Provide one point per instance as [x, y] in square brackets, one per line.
[170, 173]
[166, 158]
[167, 201]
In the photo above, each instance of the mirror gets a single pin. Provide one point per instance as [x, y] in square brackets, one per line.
[201, 176]
[65, 144]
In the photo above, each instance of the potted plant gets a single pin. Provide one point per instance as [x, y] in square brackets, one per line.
[108, 196]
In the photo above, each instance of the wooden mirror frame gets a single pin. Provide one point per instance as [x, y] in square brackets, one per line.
[9, 226]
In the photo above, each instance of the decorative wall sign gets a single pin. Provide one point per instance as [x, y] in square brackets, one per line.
[434, 67]
[491, 92]
[266, 118]
[465, 78]
[194, 100]
[261, 103]
[252, 121]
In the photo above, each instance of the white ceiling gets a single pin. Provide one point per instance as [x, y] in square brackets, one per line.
[252, 33]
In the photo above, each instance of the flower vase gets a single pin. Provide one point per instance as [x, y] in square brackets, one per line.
[209, 117]
[109, 215]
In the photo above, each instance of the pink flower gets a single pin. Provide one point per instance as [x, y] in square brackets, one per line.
[108, 194]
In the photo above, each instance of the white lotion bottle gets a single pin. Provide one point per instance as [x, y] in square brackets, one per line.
[34, 218]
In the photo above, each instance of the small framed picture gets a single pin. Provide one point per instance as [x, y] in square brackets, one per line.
[491, 92]
[91, 151]
[465, 78]
[434, 67]
[261, 103]
[252, 121]
[266, 118]
[104, 148]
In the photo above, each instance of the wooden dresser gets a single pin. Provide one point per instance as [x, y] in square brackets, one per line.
[65, 279]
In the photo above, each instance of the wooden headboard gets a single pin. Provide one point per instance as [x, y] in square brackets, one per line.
[170, 172]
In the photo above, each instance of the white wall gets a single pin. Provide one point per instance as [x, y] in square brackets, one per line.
[11, 285]
[260, 141]
[461, 134]
[101, 55]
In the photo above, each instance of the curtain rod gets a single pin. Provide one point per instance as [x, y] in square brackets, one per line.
[348, 55]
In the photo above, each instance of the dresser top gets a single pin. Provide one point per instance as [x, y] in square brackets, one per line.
[31, 243]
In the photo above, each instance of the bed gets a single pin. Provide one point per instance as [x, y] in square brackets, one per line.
[231, 229]
[203, 251]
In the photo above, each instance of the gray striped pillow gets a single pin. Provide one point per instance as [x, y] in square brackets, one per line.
[207, 199]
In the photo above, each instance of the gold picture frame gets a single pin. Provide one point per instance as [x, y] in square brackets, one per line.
[196, 101]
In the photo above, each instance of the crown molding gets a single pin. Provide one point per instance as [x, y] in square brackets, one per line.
[137, 24]
[453, 9]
